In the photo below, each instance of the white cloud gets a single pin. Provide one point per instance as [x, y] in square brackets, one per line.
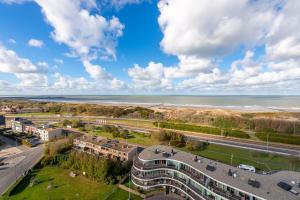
[152, 77]
[12, 41]
[10, 62]
[32, 80]
[211, 28]
[96, 71]
[283, 40]
[58, 61]
[93, 35]
[35, 43]
[14, 1]
[188, 66]
[118, 4]
[67, 82]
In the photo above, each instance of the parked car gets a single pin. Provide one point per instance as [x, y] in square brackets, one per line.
[247, 168]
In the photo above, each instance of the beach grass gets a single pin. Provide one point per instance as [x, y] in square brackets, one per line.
[55, 183]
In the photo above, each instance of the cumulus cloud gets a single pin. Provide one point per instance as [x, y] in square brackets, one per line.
[35, 43]
[283, 40]
[96, 71]
[68, 82]
[32, 80]
[93, 34]
[211, 28]
[10, 62]
[151, 77]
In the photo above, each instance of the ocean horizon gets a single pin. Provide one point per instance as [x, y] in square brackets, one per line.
[238, 102]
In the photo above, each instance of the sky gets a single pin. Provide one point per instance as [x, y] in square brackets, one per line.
[149, 47]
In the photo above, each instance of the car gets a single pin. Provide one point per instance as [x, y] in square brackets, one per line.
[247, 168]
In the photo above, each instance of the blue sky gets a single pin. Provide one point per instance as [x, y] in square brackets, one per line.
[149, 47]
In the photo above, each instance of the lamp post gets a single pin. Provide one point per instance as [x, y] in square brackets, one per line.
[129, 186]
[268, 142]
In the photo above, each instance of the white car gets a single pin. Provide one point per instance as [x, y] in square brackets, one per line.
[247, 168]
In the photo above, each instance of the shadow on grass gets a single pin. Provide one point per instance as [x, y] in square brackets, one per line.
[25, 181]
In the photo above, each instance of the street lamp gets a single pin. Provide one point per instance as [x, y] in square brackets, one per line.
[268, 142]
[129, 187]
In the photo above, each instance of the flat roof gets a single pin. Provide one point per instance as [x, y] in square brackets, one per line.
[108, 143]
[268, 183]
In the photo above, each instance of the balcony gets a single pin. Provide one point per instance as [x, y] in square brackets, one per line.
[171, 183]
[194, 176]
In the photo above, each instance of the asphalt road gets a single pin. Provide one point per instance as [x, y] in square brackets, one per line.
[18, 164]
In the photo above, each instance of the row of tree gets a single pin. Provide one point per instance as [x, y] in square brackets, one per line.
[95, 167]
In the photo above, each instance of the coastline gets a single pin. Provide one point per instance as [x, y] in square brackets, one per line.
[167, 106]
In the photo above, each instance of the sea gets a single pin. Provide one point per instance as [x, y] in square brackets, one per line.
[238, 102]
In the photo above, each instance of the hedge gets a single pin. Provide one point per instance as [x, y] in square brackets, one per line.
[277, 137]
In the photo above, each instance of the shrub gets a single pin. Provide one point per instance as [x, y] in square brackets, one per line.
[281, 138]
[203, 129]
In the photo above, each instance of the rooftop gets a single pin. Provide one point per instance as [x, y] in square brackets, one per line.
[108, 143]
[268, 188]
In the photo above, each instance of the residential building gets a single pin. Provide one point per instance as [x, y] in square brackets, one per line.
[194, 177]
[44, 132]
[112, 149]
[17, 124]
[49, 134]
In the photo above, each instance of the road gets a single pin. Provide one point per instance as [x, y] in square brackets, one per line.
[18, 164]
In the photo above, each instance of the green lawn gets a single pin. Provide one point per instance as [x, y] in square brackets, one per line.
[64, 187]
[260, 160]
[135, 138]
[132, 122]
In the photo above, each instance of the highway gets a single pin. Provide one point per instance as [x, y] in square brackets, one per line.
[17, 164]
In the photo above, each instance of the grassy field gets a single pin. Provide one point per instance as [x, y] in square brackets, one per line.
[129, 122]
[64, 187]
[135, 138]
[260, 160]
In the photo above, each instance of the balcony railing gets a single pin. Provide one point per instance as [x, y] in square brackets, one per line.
[197, 178]
[168, 182]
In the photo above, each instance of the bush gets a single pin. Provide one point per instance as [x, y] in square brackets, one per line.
[281, 138]
[194, 145]
[203, 129]
[236, 133]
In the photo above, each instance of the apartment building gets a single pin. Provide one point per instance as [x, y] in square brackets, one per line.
[44, 132]
[194, 177]
[18, 125]
[112, 149]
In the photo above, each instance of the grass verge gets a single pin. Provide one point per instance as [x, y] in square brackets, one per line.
[55, 183]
